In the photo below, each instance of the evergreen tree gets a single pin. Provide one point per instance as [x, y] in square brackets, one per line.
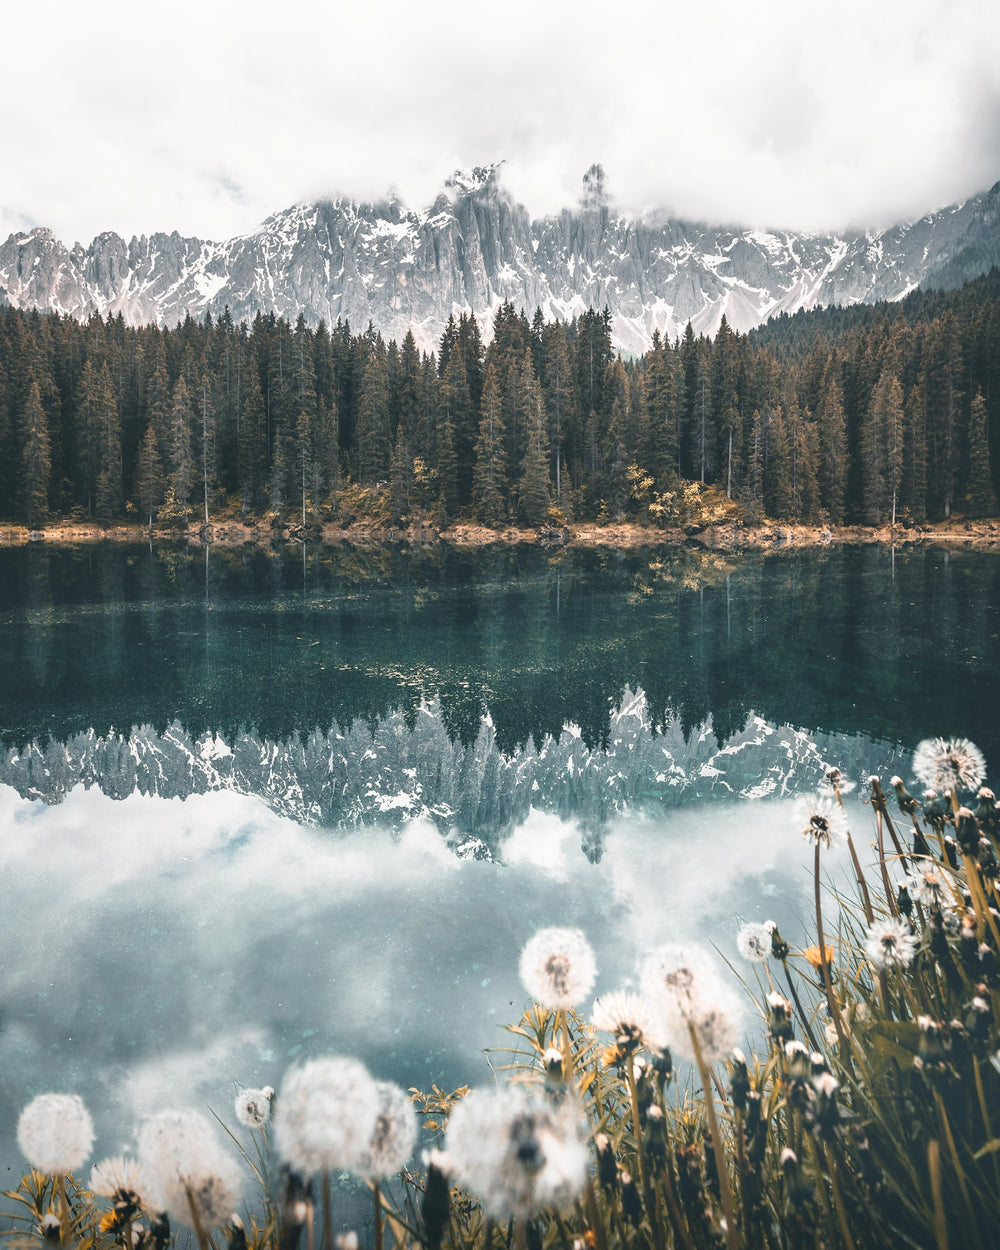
[489, 481]
[777, 468]
[180, 459]
[252, 443]
[149, 483]
[534, 498]
[561, 406]
[35, 461]
[831, 425]
[400, 479]
[913, 486]
[882, 450]
[374, 446]
[982, 498]
[455, 404]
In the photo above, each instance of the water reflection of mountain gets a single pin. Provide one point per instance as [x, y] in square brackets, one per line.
[281, 647]
[403, 767]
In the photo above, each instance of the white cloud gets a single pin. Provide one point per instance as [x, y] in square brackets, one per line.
[205, 118]
[161, 952]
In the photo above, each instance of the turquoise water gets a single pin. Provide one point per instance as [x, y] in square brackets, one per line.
[255, 807]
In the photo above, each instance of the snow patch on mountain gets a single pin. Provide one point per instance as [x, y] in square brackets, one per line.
[476, 247]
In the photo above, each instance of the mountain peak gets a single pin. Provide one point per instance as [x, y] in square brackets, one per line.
[478, 178]
[475, 248]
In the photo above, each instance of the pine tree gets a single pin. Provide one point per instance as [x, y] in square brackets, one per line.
[180, 455]
[35, 460]
[913, 487]
[489, 480]
[882, 450]
[831, 425]
[982, 498]
[455, 404]
[561, 406]
[149, 483]
[374, 446]
[534, 497]
[252, 444]
[777, 493]
[400, 479]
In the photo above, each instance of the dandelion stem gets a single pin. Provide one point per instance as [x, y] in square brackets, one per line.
[65, 1232]
[862, 883]
[640, 1154]
[798, 1006]
[327, 1216]
[934, 1167]
[953, 1151]
[199, 1231]
[595, 1217]
[838, 1023]
[838, 1204]
[676, 1218]
[378, 1216]
[713, 1124]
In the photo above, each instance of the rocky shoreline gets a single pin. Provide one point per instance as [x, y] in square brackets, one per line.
[724, 537]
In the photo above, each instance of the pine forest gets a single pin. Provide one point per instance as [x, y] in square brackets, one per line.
[866, 415]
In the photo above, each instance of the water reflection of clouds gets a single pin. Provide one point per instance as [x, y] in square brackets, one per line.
[160, 950]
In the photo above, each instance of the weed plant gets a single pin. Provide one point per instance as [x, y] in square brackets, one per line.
[869, 1117]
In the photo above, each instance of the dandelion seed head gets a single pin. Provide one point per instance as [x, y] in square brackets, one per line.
[253, 1106]
[821, 820]
[55, 1133]
[754, 942]
[890, 944]
[394, 1136]
[557, 968]
[626, 1016]
[516, 1154]
[826, 1084]
[120, 1180]
[185, 1165]
[834, 782]
[928, 887]
[684, 991]
[949, 764]
[325, 1115]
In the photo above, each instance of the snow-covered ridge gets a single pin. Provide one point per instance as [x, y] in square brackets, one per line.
[475, 247]
[356, 775]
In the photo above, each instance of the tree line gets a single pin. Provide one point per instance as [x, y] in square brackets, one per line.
[840, 416]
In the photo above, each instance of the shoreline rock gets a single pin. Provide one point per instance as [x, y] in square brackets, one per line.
[722, 537]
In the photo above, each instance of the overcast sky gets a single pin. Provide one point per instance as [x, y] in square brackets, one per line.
[206, 116]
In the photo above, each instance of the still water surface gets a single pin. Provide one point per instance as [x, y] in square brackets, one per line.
[255, 807]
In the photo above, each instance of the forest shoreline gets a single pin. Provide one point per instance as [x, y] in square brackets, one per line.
[726, 536]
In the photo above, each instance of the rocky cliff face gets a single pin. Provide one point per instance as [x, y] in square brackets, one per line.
[475, 247]
[358, 775]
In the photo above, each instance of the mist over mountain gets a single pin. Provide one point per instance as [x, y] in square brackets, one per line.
[475, 247]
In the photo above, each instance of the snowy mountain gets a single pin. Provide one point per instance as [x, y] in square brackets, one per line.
[475, 247]
[360, 775]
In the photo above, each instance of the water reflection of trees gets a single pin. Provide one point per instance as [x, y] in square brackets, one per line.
[283, 643]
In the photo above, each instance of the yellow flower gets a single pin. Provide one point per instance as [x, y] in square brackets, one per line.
[813, 956]
[612, 1056]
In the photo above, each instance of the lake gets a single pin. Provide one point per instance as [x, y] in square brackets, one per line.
[261, 805]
